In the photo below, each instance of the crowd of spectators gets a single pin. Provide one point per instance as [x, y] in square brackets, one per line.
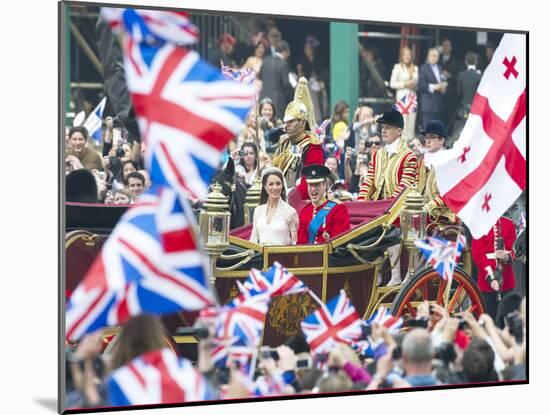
[431, 350]
[444, 84]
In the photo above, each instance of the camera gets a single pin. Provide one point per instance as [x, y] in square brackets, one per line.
[304, 363]
[363, 158]
[264, 123]
[396, 354]
[418, 322]
[268, 353]
[198, 332]
[515, 326]
[462, 324]
[119, 152]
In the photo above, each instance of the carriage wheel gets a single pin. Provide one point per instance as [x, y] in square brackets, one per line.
[428, 285]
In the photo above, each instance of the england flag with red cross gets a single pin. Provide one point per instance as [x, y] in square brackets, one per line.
[335, 322]
[486, 171]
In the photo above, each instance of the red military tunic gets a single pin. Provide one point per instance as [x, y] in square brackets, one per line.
[485, 245]
[336, 222]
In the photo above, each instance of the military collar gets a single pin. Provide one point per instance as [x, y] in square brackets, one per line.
[322, 205]
[393, 147]
[430, 157]
[298, 138]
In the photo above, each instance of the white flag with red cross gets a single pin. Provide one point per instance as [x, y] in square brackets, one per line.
[486, 171]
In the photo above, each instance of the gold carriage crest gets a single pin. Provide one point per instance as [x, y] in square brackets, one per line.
[287, 311]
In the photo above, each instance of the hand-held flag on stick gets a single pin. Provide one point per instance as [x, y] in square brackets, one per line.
[151, 262]
[245, 76]
[94, 121]
[277, 280]
[442, 255]
[187, 111]
[335, 322]
[407, 104]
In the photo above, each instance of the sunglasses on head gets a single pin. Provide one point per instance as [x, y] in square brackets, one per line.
[372, 143]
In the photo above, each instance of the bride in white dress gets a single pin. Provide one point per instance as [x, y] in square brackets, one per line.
[275, 221]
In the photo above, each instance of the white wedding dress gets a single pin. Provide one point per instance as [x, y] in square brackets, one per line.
[282, 230]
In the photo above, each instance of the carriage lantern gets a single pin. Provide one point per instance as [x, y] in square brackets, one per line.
[252, 200]
[214, 225]
[413, 223]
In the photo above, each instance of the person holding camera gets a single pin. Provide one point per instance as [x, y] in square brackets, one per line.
[271, 126]
[363, 125]
[356, 162]
[493, 255]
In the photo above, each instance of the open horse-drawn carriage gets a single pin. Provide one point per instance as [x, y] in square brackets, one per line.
[356, 261]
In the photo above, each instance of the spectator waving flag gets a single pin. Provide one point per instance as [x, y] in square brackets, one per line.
[245, 76]
[486, 171]
[335, 322]
[277, 280]
[94, 121]
[156, 377]
[442, 255]
[187, 110]
[238, 330]
[384, 317]
[407, 104]
[150, 263]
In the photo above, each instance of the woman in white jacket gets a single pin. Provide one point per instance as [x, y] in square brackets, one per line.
[404, 79]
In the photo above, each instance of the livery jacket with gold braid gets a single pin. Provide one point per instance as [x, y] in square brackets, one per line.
[388, 174]
[291, 165]
[427, 186]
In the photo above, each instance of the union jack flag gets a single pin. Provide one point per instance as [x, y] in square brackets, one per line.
[150, 263]
[442, 255]
[407, 104]
[335, 322]
[322, 129]
[276, 281]
[238, 330]
[156, 377]
[187, 111]
[152, 25]
[384, 317]
[245, 76]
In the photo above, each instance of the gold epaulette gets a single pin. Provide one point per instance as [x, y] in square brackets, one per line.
[331, 199]
[313, 139]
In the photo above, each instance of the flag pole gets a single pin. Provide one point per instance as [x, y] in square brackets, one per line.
[450, 279]
[314, 296]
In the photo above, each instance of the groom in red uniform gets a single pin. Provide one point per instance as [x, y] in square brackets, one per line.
[322, 219]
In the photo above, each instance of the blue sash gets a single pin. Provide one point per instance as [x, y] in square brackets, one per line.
[318, 220]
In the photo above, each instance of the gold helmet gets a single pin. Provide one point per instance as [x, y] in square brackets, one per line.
[302, 106]
[295, 110]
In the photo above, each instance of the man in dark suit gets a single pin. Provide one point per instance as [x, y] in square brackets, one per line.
[450, 66]
[431, 87]
[274, 76]
[468, 81]
[466, 87]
